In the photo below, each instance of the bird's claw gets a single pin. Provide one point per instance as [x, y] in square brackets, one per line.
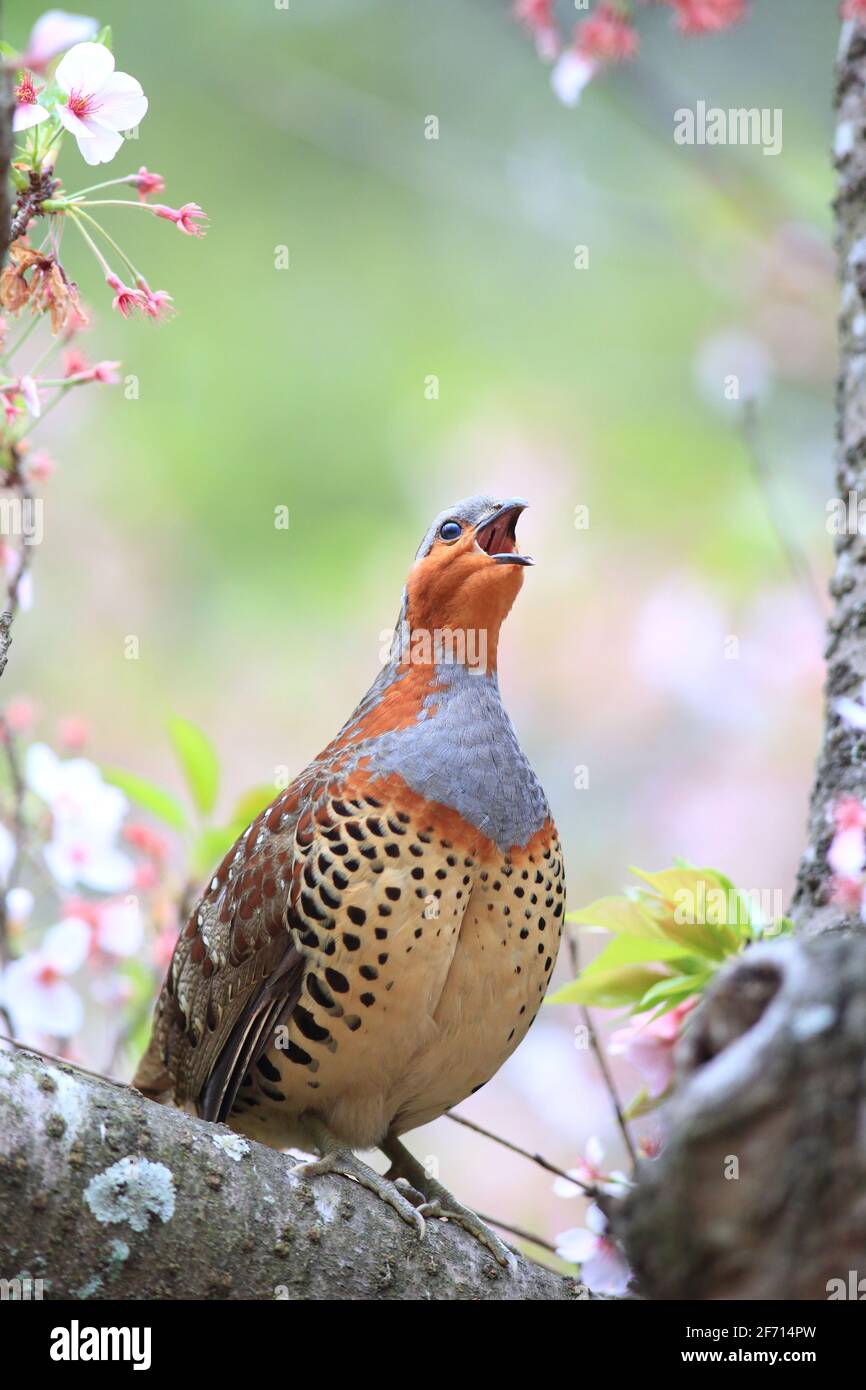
[345, 1162]
[462, 1216]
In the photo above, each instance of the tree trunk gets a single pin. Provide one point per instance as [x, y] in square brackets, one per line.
[760, 1190]
[106, 1195]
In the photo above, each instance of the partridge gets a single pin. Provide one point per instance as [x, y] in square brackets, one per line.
[378, 941]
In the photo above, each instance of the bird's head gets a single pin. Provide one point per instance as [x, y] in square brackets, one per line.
[467, 574]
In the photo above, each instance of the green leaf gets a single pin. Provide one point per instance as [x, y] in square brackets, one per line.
[251, 802]
[612, 989]
[642, 1104]
[7, 50]
[198, 760]
[630, 950]
[617, 914]
[674, 990]
[105, 36]
[148, 795]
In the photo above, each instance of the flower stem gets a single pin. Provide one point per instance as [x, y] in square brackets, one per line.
[76, 220]
[112, 243]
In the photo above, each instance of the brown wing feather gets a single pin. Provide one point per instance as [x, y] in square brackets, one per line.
[234, 969]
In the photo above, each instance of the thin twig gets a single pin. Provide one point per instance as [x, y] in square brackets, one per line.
[519, 1232]
[601, 1059]
[798, 561]
[542, 1162]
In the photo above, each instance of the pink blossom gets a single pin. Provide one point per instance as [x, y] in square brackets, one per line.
[86, 815]
[853, 9]
[847, 853]
[649, 1046]
[126, 299]
[52, 33]
[603, 1267]
[185, 218]
[28, 111]
[158, 303]
[591, 1173]
[849, 813]
[847, 894]
[40, 466]
[34, 989]
[100, 103]
[147, 182]
[607, 36]
[537, 16]
[145, 839]
[707, 16]
[73, 732]
[20, 714]
[74, 362]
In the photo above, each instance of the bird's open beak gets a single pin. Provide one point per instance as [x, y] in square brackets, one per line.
[495, 534]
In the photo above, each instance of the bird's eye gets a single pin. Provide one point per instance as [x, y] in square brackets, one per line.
[450, 530]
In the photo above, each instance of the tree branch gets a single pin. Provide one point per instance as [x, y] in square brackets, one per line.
[107, 1195]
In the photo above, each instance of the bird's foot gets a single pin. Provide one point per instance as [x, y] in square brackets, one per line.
[344, 1161]
[436, 1201]
[441, 1204]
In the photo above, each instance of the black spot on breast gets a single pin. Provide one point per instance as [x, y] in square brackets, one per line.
[352, 1022]
[328, 898]
[351, 942]
[271, 1092]
[268, 1069]
[311, 909]
[317, 991]
[357, 915]
[307, 1025]
[392, 851]
[297, 1054]
[393, 894]
[369, 972]
[367, 1000]
[338, 982]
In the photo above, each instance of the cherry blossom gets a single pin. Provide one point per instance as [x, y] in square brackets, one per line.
[570, 75]
[100, 103]
[185, 218]
[19, 906]
[7, 853]
[127, 300]
[591, 1173]
[707, 16]
[34, 989]
[649, 1045]
[603, 1267]
[147, 182]
[52, 33]
[28, 111]
[86, 818]
[607, 36]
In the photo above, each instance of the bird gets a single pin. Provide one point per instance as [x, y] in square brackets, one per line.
[378, 941]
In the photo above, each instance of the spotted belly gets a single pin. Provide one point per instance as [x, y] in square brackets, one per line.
[427, 953]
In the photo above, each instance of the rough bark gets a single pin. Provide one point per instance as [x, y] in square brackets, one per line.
[104, 1194]
[760, 1190]
[842, 761]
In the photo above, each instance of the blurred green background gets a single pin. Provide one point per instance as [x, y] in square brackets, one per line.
[598, 387]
